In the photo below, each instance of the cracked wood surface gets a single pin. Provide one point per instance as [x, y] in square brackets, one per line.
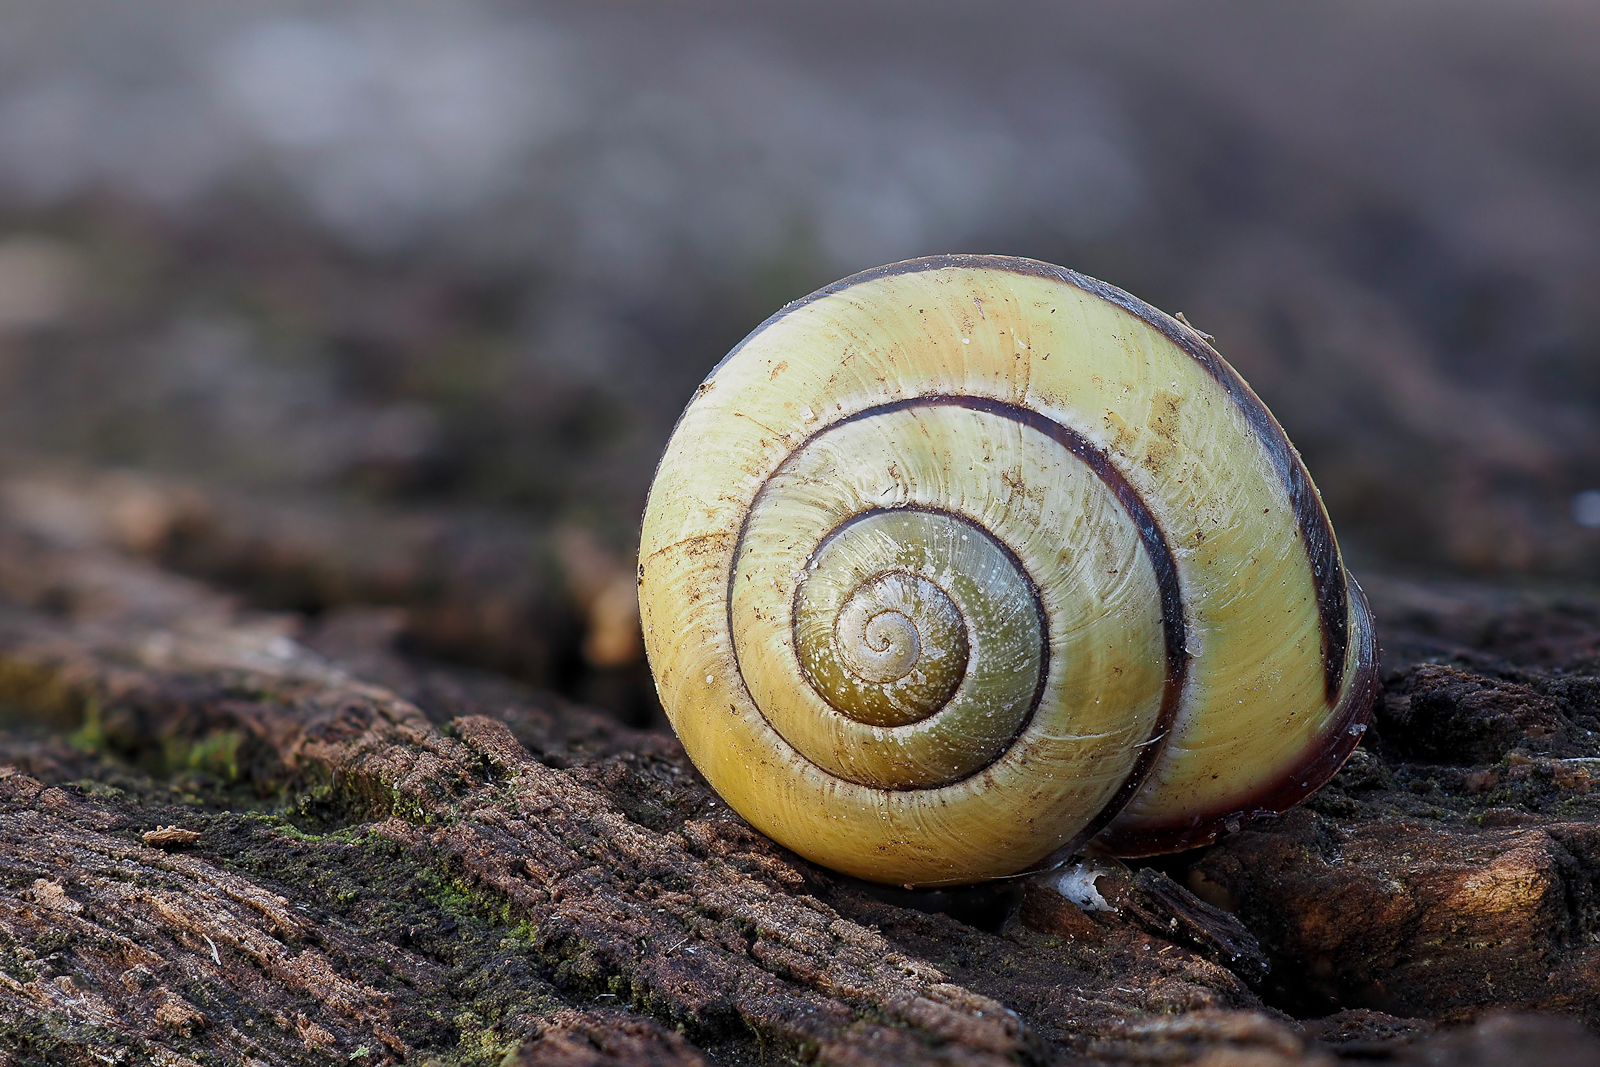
[234, 837]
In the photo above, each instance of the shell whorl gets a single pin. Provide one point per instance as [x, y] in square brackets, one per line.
[960, 563]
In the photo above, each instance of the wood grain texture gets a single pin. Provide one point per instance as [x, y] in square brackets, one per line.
[436, 865]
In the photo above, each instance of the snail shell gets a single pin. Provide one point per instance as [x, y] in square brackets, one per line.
[965, 563]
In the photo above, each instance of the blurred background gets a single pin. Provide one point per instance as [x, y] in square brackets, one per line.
[353, 304]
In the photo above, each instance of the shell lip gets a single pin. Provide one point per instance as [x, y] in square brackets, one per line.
[1327, 754]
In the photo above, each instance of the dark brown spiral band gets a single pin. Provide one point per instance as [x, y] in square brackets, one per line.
[1324, 757]
[1322, 550]
[1153, 539]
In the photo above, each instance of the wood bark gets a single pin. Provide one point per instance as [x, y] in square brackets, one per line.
[232, 836]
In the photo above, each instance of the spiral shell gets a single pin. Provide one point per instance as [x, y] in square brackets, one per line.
[968, 562]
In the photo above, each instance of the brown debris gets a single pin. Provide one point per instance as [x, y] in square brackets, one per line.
[169, 837]
[1162, 907]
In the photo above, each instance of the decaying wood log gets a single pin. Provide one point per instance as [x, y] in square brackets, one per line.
[537, 603]
[228, 836]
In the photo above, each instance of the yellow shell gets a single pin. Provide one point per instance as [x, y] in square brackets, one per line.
[965, 563]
